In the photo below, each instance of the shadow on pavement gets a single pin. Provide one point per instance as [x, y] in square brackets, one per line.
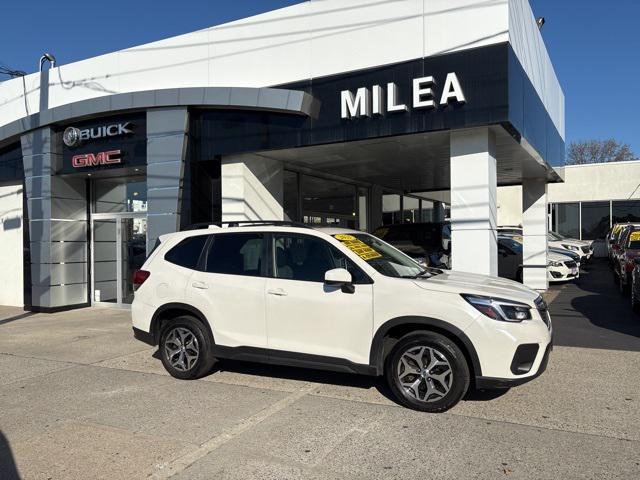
[8, 469]
[592, 312]
[16, 317]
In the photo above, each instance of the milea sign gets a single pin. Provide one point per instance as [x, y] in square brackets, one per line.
[367, 102]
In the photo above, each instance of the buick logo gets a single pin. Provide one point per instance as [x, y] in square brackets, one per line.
[71, 137]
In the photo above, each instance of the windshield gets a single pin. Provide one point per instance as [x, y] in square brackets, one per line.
[556, 236]
[382, 256]
[512, 244]
[634, 240]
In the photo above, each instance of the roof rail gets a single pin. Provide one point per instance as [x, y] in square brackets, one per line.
[246, 223]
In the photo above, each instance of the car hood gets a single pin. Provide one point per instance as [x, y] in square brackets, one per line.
[462, 282]
[571, 241]
[558, 257]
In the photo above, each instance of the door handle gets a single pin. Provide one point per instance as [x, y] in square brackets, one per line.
[200, 285]
[278, 292]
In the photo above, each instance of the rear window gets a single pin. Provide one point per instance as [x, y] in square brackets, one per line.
[236, 254]
[187, 252]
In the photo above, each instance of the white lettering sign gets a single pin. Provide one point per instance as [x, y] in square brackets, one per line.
[367, 102]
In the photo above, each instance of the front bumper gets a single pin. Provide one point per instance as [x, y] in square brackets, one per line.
[486, 383]
[562, 274]
[497, 343]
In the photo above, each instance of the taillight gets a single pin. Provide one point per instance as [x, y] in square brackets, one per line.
[139, 277]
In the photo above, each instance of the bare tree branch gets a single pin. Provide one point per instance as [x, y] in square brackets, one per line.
[598, 151]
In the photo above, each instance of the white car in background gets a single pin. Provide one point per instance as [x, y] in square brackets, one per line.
[581, 247]
[561, 268]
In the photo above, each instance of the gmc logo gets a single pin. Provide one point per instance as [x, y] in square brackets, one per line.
[90, 160]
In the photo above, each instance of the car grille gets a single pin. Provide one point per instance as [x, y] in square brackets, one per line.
[543, 309]
[571, 264]
[585, 249]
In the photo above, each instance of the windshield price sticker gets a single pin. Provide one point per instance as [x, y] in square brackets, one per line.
[635, 236]
[358, 247]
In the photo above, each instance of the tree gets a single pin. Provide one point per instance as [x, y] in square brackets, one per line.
[598, 151]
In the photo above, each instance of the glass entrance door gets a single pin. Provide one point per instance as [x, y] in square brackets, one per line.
[118, 248]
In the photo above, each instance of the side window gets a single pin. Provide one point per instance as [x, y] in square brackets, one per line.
[307, 258]
[187, 252]
[236, 254]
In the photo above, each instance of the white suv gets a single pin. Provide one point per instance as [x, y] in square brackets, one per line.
[340, 300]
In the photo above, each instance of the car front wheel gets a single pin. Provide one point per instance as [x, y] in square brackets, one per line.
[185, 349]
[428, 372]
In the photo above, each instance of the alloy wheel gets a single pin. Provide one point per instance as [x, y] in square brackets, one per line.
[424, 373]
[181, 349]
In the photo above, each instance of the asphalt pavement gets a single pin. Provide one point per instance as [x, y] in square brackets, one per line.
[80, 398]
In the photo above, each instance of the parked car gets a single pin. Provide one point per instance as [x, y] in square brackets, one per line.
[560, 267]
[568, 253]
[581, 247]
[429, 244]
[336, 299]
[509, 230]
[635, 286]
[623, 261]
[613, 238]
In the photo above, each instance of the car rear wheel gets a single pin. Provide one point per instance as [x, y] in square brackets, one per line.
[185, 349]
[428, 372]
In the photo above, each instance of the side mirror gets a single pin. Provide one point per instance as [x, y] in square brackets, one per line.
[340, 277]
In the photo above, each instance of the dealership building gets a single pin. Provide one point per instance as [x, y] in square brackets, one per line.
[327, 112]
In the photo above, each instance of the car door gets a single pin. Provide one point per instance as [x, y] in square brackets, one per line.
[508, 261]
[306, 316]
[230, 289]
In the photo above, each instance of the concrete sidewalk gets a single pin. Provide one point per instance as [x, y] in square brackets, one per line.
[80, 398]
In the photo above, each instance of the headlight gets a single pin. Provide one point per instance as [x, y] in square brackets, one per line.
[570, 247]
[499, 309]
[554, 264]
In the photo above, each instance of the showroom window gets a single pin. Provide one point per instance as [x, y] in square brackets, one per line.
[625, 211]
[567, 221]
[119, 195]
[391, 209]
[291, 196]
[596, 220]
[411, 209]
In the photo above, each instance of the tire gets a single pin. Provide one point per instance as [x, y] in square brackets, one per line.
[519, 276]
[188, 338]
[624, 286]
[449, 366]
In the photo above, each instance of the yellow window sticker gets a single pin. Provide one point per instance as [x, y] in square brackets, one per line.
[343, 238]
[635, 236]
[358, 247]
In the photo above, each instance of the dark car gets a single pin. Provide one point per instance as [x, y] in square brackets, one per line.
[635, 286]
[509, 258]
[427, 243]
[624, 257]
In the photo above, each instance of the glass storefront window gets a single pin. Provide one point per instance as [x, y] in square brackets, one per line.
[595, 220]
[291, 197]
[625, 211]
[568, 219]
[327, 202]
[426, 211]
[119, 195]
[391, 211]
[411, 209]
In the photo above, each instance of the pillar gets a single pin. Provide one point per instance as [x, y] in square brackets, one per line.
[57, 214]
[474, 201]
[252, 188]
[167, 130]
[534, 231]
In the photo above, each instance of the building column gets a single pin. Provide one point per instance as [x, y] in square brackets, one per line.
[438, 212]
[474, 201]
[252, 188]
[534, 230]
[376, 207]
[167, 130]
[57, 213]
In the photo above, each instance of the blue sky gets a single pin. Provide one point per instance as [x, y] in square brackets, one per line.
[594, 45]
